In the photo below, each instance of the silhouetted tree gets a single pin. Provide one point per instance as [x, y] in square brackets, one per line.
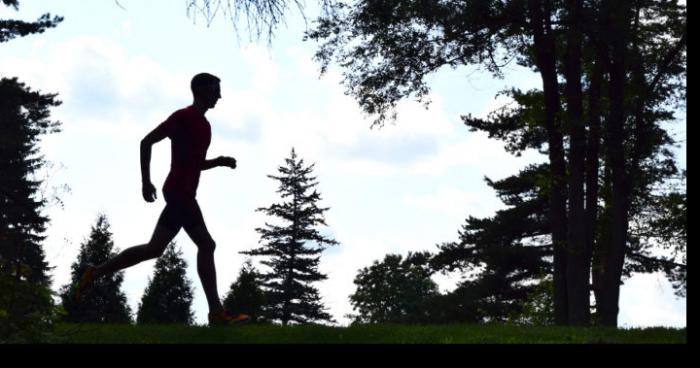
[168, 296]
[105, 302]
[26, 307]
[291, 296]
[609, 71]
[504, 256]
[395, 290]
[246, 293]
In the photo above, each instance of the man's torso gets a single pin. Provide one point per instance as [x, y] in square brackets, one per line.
[190, 136]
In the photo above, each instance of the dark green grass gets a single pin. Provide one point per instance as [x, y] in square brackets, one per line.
[370, 334]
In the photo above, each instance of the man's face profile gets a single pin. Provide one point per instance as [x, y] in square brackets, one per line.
[211, 94]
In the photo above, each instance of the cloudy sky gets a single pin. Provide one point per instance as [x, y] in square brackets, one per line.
[406, 187]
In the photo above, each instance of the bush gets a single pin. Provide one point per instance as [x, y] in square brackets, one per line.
[27, 311]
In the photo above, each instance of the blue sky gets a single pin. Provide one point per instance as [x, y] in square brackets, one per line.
[406, 187]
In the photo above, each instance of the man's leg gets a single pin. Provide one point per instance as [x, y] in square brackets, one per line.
[205, 264]
[153, 249]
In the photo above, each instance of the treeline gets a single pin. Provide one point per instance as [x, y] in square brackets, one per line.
[505, 263]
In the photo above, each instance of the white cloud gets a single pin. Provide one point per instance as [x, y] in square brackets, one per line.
[450, 200]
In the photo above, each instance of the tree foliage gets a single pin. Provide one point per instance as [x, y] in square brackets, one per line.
[395, 290]
[10, 28]
[260, 17]
[246, 294]
[105, 302]
[168, 296]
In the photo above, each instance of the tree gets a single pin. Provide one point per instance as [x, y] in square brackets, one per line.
[395, 290]
[105, 302]
[504, 256]
[168, 296]
[291, 296]
[609, 68]
[26, 307]
[246, 293]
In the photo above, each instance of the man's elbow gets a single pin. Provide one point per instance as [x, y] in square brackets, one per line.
[146, 142]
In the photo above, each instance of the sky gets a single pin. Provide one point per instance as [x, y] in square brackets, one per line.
[406, 187]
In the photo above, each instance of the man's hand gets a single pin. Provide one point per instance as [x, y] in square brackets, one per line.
[149, 192]
[227, 162]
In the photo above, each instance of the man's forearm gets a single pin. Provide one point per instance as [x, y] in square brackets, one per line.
[145, 162]
[210, 164]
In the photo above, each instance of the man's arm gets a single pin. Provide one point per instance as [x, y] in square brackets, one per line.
[219, 161]
[157, 135]
[210, 164]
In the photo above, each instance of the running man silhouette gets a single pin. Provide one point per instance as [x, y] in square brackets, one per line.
[190, 135]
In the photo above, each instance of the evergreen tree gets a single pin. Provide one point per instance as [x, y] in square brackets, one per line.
[291, 296]
[26, 306]
[395, 290]
[105, 302]
[168, 296]
[246, 293]
[24, 117]
[504, 256]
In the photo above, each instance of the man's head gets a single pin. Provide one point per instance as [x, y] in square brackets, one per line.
[205, 89]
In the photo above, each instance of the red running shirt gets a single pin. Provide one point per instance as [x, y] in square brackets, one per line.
[190, 136]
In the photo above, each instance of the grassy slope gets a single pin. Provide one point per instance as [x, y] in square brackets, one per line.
[454, 334]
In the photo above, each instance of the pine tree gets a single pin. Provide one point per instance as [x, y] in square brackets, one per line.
[24, 117]
[26, 307]
[505, 255]
[291, 296]
[246, 294]
[105, 302]
[168, 296]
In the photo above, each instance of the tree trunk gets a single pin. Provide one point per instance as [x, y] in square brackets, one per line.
[546, 63]
[600, 67]
[619, 219]
[578, 263]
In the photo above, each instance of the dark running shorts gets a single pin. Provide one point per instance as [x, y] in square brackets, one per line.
[179, 213]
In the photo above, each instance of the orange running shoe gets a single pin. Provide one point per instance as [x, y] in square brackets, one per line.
[87, 280]
[223, 318]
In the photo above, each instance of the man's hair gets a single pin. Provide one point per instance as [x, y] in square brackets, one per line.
[202, 80]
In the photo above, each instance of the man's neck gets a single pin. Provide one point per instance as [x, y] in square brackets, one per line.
[200, 107]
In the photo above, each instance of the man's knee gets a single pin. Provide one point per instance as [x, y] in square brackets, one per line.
[155, 250]
[207, 246]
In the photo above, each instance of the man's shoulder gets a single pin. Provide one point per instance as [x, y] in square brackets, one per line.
[180, 114]
[185, 111]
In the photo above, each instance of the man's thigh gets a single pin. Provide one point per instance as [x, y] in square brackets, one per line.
[196, 228]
